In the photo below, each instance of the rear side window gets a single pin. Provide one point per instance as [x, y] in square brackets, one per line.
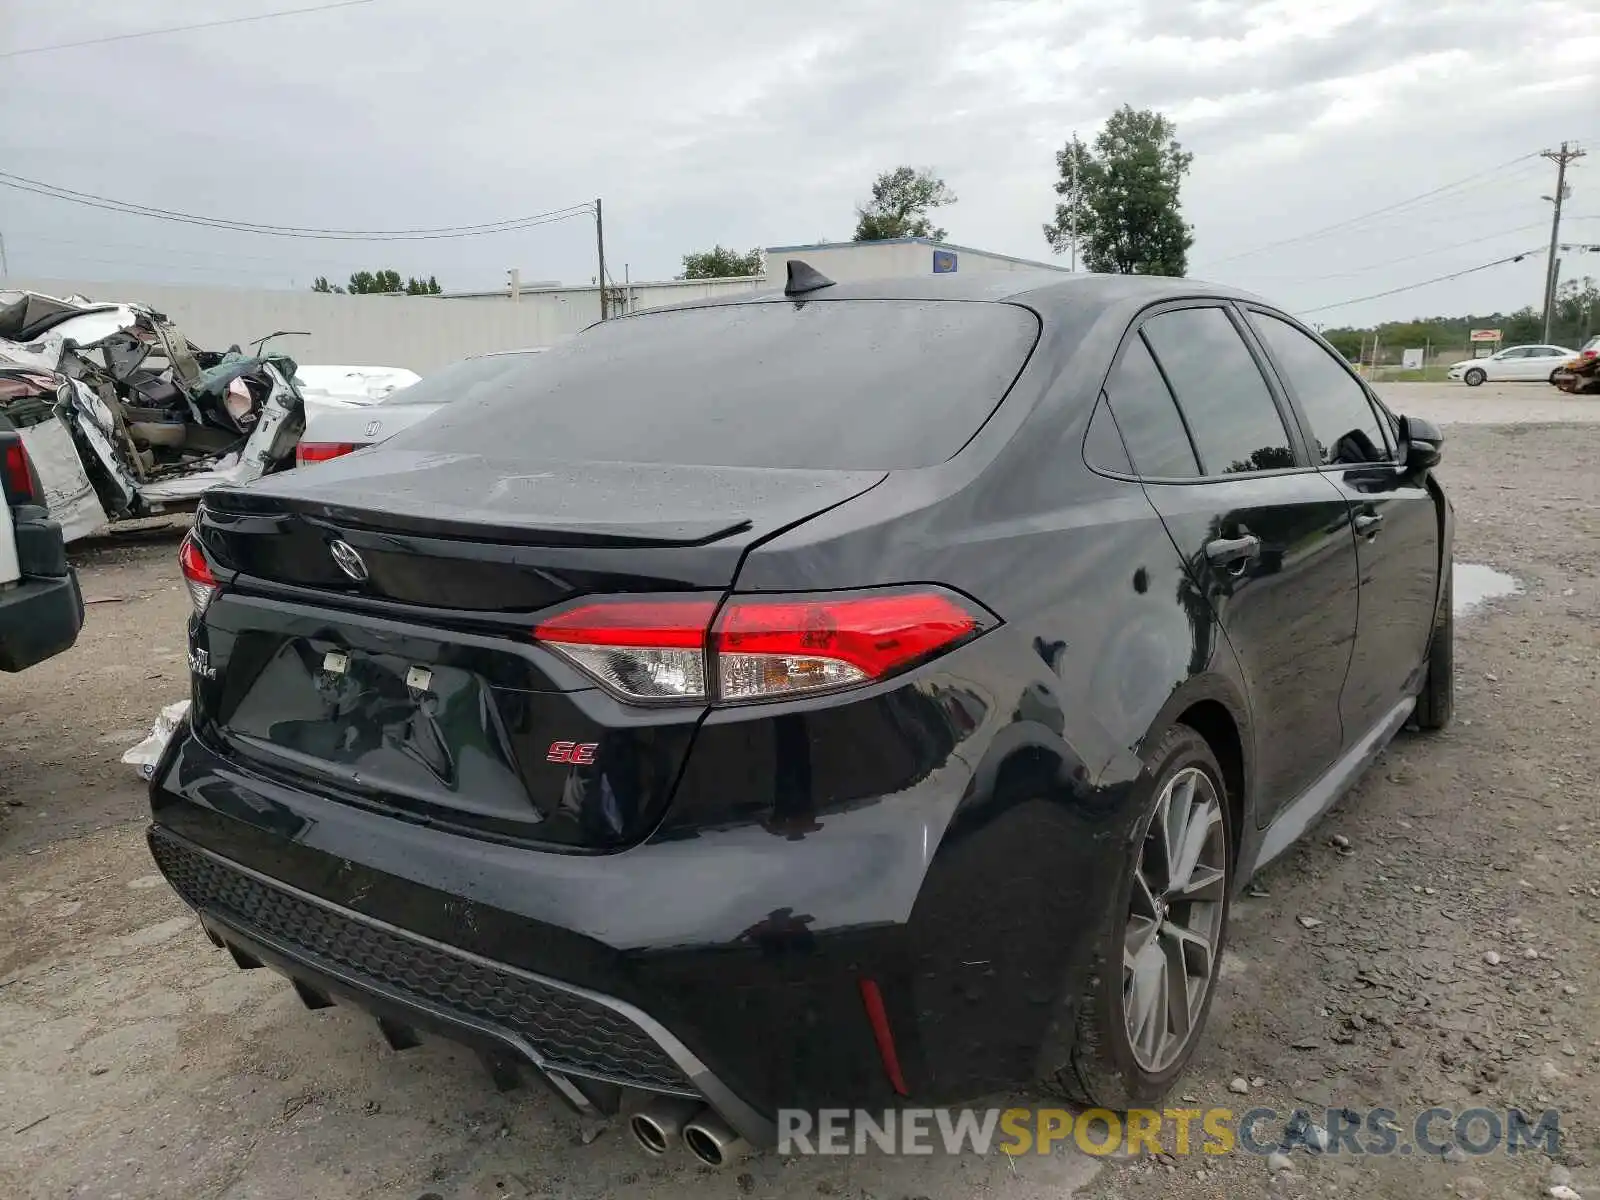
[1148, 418]
[1102, 444]
[828, 385]
[1344, 429]
[1230, 412]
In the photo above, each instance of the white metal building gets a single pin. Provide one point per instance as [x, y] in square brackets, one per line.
[896, 258]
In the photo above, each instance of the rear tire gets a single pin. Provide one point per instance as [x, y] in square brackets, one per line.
[1105, 1069]
[1474, 377]
[1437, 701]
[1553, 376]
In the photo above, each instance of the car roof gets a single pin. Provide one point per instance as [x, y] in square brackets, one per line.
[1047, 292]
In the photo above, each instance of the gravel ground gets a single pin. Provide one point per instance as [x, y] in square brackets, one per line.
[135, 1061]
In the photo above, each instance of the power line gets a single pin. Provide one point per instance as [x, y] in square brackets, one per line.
[1399, 204]
[27, 238]
[90, 200]
[1391, 262]
[1410, 287]
[128, 37]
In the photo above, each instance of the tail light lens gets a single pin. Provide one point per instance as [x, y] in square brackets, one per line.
[640, 649]
[21, 480]
[197, 576]
[310, 452]
[759, 648]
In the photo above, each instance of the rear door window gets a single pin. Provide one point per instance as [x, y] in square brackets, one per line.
[1151, 426]
[1344, 427]
[1225, 401]
[825, 385]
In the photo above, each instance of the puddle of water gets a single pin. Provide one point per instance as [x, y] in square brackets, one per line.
[1473, 583]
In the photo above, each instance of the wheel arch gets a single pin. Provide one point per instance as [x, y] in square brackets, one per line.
[1216, 710]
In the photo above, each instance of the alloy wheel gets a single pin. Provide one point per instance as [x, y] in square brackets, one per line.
[1174, 927]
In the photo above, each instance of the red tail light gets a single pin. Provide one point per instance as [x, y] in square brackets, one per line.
[197, 574]
[759, 648]
[21, 481]
[641, 649]
[310, 452]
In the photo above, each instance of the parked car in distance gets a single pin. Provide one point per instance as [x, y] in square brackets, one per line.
[860, 695]
[41, 608]
[1528, 363]
[359, 386]
[1580, 374]
[335, 430]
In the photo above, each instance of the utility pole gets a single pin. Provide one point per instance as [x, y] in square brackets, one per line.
[600, 247]
[5, 268]
[1561, 158]
[1075, 200]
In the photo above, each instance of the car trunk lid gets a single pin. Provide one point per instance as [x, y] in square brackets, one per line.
[413, 684]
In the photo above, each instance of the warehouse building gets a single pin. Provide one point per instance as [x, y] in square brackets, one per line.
[896, 258]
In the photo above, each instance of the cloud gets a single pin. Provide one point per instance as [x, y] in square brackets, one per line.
[752, 124]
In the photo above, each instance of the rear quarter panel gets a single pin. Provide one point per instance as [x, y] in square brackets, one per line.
[987, 800]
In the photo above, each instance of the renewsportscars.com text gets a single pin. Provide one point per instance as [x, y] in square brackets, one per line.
[1177, 1131]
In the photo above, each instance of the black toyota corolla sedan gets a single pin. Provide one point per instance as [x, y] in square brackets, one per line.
[859, 695]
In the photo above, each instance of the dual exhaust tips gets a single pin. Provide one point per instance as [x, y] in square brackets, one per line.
[666, 1121]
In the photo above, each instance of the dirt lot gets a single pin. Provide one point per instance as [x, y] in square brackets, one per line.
[135, 1061]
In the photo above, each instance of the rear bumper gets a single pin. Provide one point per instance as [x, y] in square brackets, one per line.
[39, 618]
[585, 1045]
[727, 965]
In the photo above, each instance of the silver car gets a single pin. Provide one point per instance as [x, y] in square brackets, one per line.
[334, 430]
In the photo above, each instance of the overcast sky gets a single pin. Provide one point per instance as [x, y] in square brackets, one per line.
[763, 123]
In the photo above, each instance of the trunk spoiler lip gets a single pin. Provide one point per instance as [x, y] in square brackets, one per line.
[223, 503]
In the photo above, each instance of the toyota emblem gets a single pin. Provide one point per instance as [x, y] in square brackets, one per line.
[349, 561]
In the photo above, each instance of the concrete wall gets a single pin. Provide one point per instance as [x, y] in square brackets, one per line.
[425, 333]
[422, 333]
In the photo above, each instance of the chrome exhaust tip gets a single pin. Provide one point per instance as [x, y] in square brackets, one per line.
[658, 1125]
[711, 1140]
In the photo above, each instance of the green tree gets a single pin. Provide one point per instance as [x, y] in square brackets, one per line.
[1347, 342]
[385, 282]
[721, 263]
[1123, 190]
[900, 204]
[1523, 326]
[366, 283]
[1577, 311]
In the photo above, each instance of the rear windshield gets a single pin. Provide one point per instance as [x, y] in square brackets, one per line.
[827, 385]
[480, 378]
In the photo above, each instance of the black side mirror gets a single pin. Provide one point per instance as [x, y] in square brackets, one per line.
[1420, 444]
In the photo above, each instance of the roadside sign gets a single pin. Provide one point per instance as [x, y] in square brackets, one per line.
[1483, 352]
[1411, 360]
[1484, 335]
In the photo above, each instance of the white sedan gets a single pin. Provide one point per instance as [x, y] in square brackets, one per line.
[1514, 363]
[336, 429]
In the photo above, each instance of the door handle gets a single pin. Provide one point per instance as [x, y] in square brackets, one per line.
[1229, 551]
[1368, 525]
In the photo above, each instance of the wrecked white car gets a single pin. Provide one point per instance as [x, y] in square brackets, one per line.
[124, 417]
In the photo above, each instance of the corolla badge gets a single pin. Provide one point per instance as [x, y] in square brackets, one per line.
[373, 427]
[349, 561]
